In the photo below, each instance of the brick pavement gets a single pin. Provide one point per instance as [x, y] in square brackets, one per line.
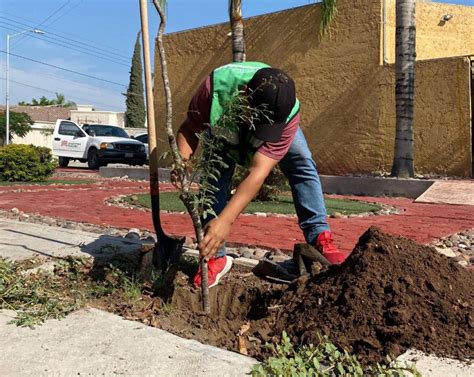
[86, 203]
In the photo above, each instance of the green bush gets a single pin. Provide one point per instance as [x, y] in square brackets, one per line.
[25, 163]
[275, 183]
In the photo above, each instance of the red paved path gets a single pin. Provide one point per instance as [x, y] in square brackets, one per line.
[86, 203]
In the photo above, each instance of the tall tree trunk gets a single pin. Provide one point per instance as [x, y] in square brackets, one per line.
[405, 56]
[237, 26]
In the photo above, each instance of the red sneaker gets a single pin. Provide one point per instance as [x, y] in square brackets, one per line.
[326, 247]
[216, 268]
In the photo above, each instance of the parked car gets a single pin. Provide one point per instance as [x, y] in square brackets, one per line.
[96, 144]
[143, 137]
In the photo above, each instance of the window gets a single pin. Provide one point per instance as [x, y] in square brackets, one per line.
[69, 129]
[142, 138]
[103, 130]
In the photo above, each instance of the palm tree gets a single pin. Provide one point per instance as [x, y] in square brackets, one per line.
[237, 26]
[405, 56]
[60, 99]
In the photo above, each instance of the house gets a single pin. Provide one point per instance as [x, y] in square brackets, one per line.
[346, 80]
[45, 117]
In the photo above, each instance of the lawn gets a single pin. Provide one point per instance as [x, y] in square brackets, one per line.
[49, 182]
[169, 201]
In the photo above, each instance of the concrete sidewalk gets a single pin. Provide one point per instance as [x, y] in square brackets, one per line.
[94, 342]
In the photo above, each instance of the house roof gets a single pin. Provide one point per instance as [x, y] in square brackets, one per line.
[43, 113]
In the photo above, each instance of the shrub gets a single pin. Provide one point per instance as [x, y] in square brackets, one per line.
[25, 163]
[275, 183]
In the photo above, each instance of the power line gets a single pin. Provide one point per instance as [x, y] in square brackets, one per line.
[111, 49]
[68, 81]
[50, 91]
[65, 69]
[76, 49]
[42, 22]
[60, 38]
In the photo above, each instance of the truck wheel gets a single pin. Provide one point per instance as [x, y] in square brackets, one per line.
[93, 160]
[63, 162]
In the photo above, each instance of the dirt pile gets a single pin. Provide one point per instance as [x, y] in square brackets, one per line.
[390, 295]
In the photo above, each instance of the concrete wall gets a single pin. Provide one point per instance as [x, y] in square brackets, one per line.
[436, 39]
[346, 95]
[41, 135]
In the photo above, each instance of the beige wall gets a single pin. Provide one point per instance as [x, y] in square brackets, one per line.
[442, 116]
[346, 95]
[98, 117]
[435, 39]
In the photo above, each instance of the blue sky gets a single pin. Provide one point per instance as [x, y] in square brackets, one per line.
[100, 35]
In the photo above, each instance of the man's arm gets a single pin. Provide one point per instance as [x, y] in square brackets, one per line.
[218, 229]
[187, 140]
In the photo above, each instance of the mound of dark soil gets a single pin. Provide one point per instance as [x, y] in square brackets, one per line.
[390, 295]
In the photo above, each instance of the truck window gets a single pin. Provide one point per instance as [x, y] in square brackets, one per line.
[69, 129]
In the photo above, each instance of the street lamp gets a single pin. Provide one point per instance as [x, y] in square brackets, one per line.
[7, 138]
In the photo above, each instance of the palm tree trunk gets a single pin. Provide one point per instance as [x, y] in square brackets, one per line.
[237, 26]
[405, 56]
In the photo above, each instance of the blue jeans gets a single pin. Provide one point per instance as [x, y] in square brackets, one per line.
[300, 170]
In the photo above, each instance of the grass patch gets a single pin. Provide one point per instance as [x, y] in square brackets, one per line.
[169, 201]
[324, 359]
[41, 295]
[49, 182]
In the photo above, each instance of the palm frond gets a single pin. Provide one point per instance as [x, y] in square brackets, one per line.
[328, 12]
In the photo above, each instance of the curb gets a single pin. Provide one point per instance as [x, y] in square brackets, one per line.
[339, 185]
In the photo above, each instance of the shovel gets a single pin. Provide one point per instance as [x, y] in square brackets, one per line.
[167, 250]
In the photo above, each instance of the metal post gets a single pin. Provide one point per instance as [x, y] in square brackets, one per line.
[7, 97]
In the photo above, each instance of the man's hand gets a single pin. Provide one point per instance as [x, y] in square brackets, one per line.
[216, 232]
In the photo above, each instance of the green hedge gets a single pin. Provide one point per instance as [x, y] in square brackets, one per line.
[25, 163]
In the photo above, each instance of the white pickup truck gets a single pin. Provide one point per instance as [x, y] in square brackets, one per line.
[96, 144]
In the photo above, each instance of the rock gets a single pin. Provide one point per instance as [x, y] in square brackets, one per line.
[189, 242]
[259, 253]
[447, 252]
[463, 263]
[134, 198]
[448, 243]
[337, 215]
[260, 214]
[133, 236]
[16, 211]
[246, 252]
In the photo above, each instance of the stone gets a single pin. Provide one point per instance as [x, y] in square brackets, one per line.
[189, 242]
[337, 215]
[133, 236]
[259, 253]
[246, 252]
[447, 252]
[134, 198]
[260, 214]
[16, 211]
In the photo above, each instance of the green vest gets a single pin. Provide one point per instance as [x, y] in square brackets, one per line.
[227, 82]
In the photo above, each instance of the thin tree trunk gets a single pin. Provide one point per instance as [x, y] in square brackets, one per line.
[177, 157]
[405, 56]
[237, 26]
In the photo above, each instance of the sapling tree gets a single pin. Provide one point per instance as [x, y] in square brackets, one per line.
[203, 169]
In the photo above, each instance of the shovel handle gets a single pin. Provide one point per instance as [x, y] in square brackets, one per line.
[205, 287]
